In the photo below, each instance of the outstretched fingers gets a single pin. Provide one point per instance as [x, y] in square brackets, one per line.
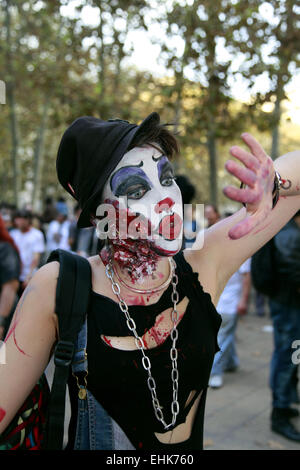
[243, 195]
[255, 148]
[243, 174]
[249, 160]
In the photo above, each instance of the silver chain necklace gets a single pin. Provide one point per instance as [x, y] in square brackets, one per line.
[140, 345]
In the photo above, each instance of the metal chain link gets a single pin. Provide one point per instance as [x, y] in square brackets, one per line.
[140, 345]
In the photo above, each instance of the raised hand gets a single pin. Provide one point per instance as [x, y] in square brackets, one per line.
[258, 174]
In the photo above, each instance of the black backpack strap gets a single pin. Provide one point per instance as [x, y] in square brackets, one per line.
[72, 298]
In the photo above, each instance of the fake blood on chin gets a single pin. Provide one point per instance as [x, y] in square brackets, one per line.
[138, 255]
[135, 256]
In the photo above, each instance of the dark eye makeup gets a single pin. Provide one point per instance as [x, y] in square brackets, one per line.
[167, 174]
[134, 187]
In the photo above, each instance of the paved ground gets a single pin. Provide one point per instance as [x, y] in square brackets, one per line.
[237, 415]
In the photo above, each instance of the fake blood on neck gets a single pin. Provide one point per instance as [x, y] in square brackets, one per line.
[135, 255]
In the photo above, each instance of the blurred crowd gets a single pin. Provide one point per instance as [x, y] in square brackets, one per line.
[36, 235]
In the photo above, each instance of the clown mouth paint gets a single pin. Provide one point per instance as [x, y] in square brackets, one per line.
[170, 227]
[123, 223]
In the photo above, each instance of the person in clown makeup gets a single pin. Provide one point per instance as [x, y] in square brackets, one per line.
[152, 324]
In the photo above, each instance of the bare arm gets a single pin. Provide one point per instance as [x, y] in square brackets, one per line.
[29, 342]
[233, 240]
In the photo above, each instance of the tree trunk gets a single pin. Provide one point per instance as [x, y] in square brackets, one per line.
[10, 95]
[101, 74]
[212, 153]
[38, 157]
[277, 112]
[275, 129]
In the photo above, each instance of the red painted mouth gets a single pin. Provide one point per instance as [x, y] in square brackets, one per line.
[170, 226]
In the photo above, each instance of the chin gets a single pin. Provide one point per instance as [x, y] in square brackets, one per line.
[167, 247]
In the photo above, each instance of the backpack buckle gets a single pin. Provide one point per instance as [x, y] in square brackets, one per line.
[63, 355]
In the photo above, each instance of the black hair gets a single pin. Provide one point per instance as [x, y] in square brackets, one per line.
[24, 214]
[160, 135]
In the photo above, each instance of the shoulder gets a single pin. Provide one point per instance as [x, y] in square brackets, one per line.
[41, 293]
[44, 281]
[53, 224]
[35, 232]
[97, 266]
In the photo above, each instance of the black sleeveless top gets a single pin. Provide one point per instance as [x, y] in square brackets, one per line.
[118, 380]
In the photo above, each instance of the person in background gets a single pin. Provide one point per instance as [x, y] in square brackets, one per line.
[83, 241]
[233, 302]
[74, 230]
[30, 243]
[58, 230]
[10, 267]
[285, 314]
[260, 301]
[211, 214]
[6, 211]
[49, 212]
[188, 192]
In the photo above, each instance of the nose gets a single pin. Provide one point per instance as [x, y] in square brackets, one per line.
[164, 205]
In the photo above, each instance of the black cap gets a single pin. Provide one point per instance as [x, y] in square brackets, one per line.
[89, 151]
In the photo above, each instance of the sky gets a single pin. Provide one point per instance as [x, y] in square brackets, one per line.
[150, 61]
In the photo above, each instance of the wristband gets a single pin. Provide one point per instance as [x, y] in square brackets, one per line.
[276, 187]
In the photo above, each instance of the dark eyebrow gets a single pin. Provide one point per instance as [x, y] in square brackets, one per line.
[158, 158]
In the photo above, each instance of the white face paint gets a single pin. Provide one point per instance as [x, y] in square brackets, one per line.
[143, 182]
